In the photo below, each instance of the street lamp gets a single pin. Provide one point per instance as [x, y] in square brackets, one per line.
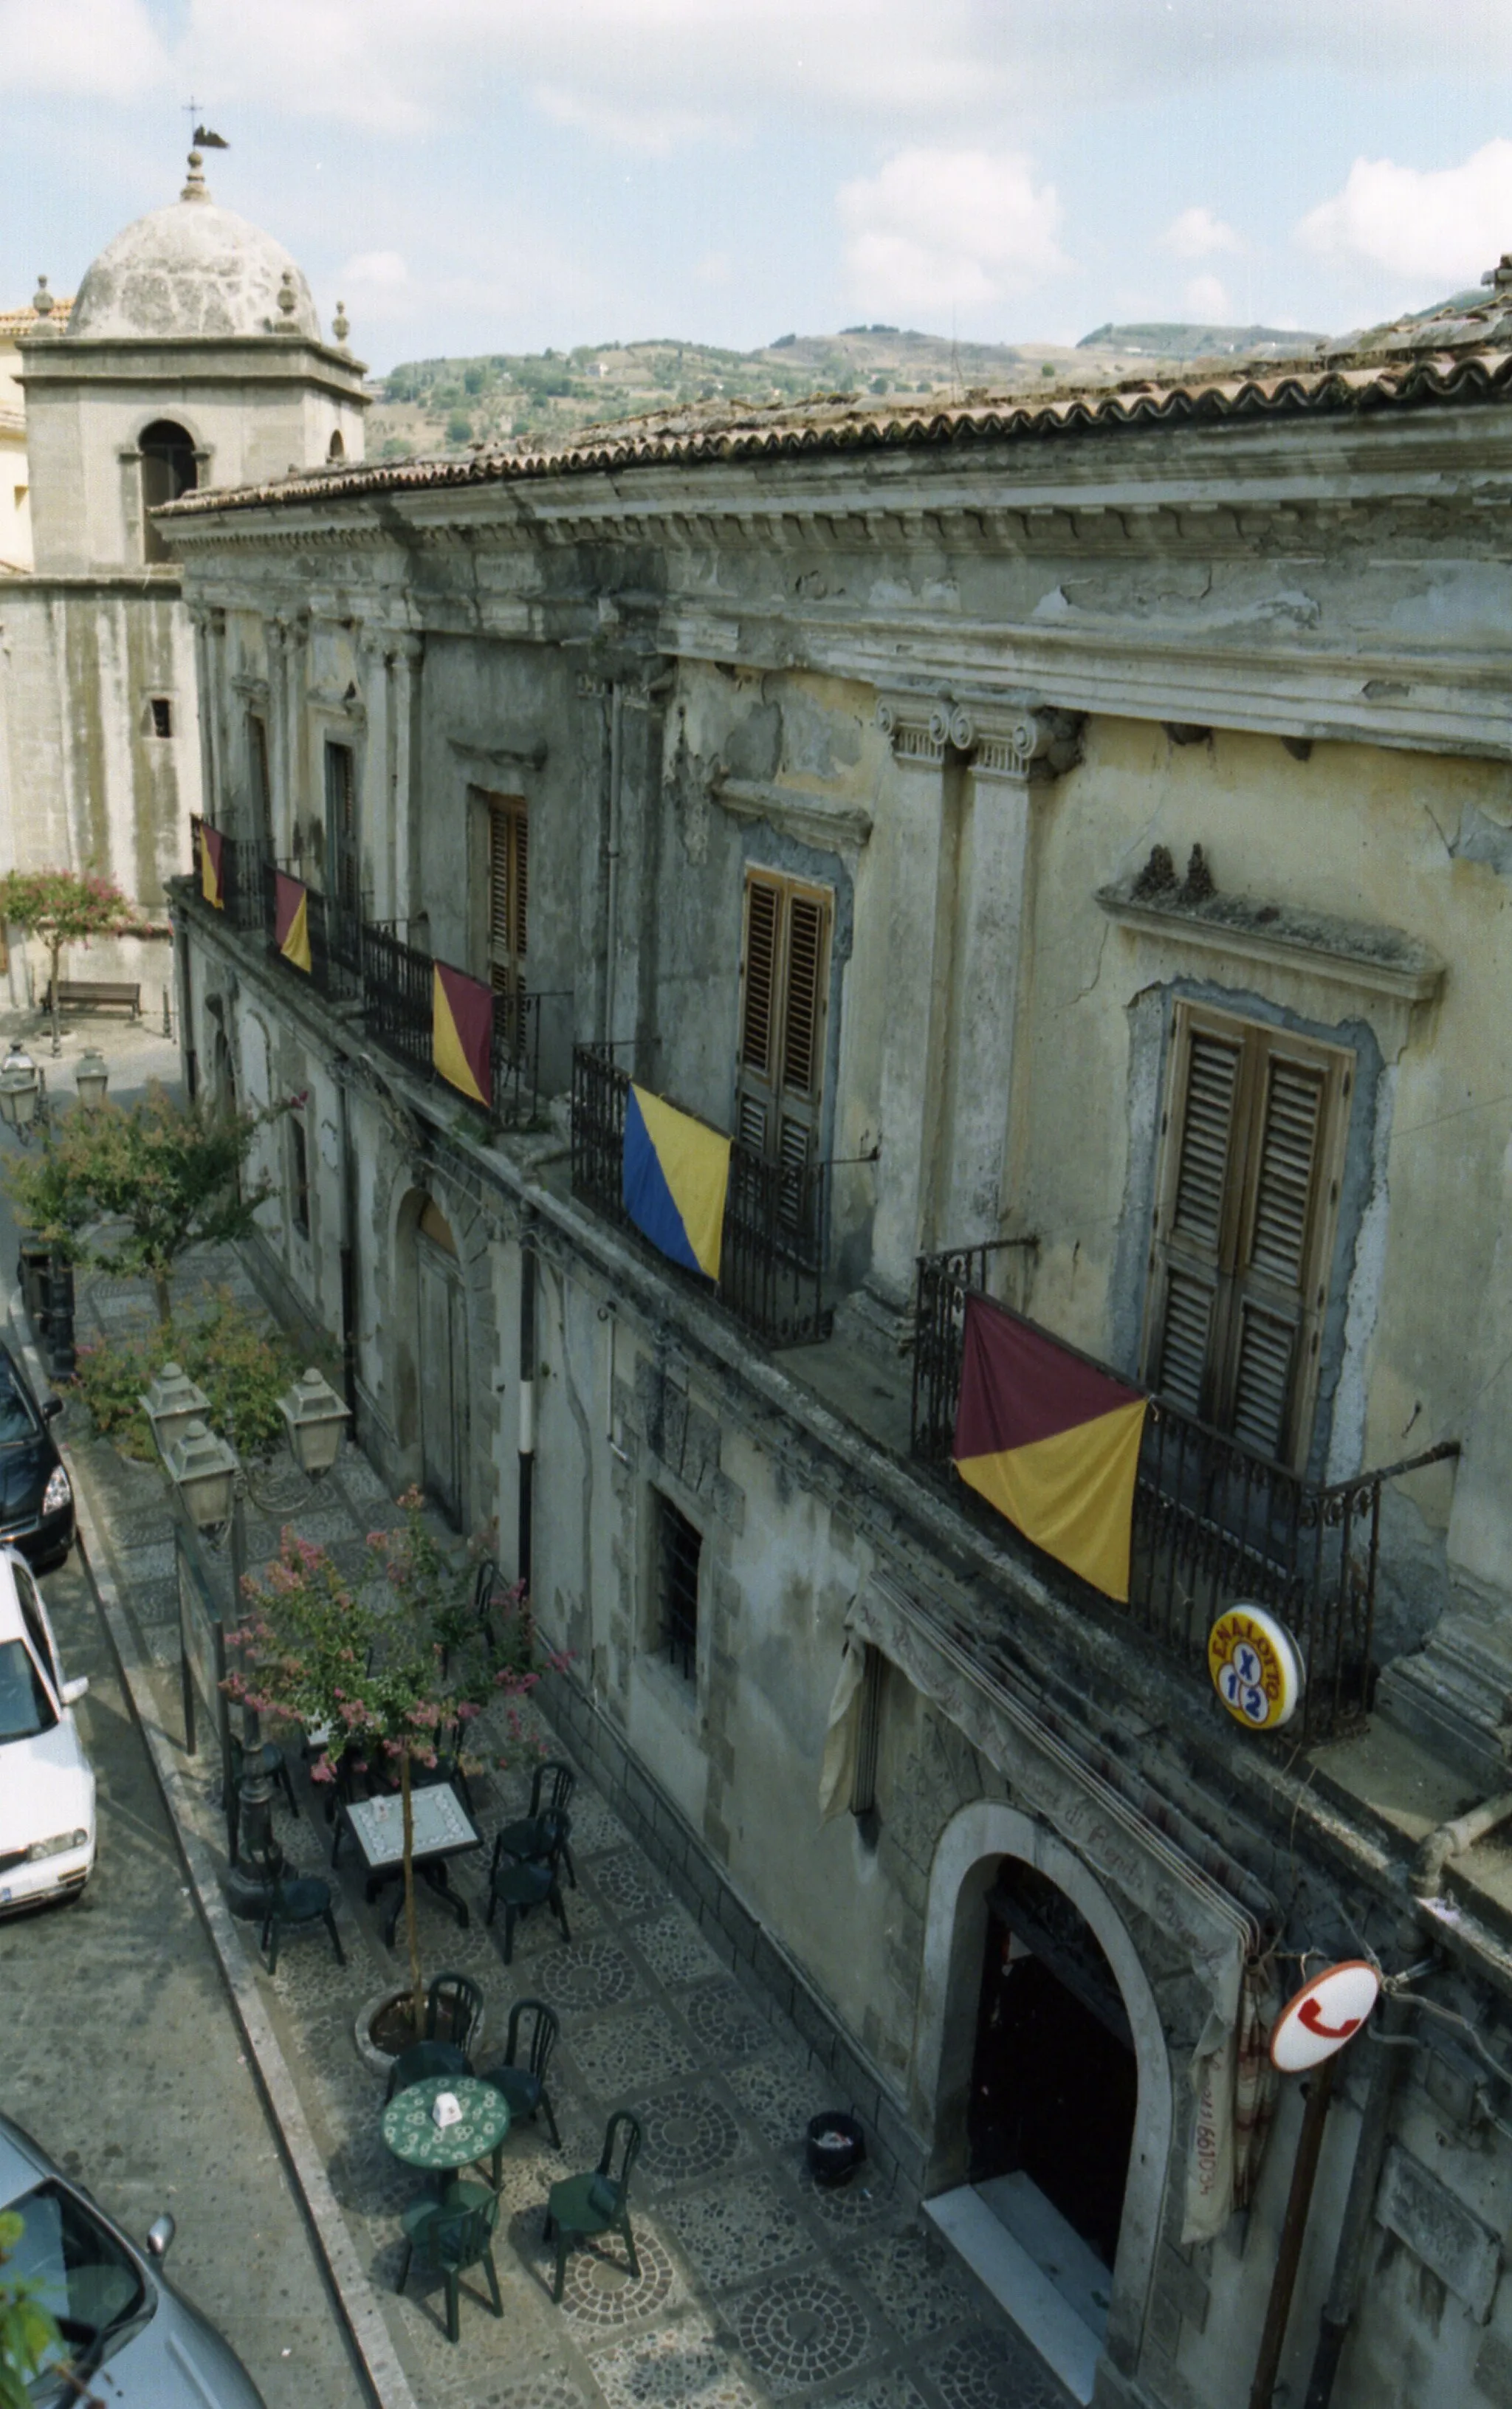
[210, 1484]
[313, 1416]
[22, 1091]
[92, 1078]
[172, 1403]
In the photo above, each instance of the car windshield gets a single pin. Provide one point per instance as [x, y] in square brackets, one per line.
[85, 2281]
[18, 1423]
[25, 1707]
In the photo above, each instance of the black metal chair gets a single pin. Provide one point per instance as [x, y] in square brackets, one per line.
[455, 2001]
[517, 1884]
[551, 1789]
[296, 1903]
[584, 2206]
[523, 2086]
[451, 2234]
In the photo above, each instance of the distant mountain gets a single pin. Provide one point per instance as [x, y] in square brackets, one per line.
[444, 405]
[1180, 341]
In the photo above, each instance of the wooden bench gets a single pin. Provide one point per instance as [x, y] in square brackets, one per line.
[95, 995]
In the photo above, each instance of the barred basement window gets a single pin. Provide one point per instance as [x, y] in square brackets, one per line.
[1253, 1145]
[162, 710]
[679, 1549]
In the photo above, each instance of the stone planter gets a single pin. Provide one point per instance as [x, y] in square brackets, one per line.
[390, 2008]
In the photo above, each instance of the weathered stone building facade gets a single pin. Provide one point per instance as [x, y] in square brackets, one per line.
[191, 355]
[1068, 845]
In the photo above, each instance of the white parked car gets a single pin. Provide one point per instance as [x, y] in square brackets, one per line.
[47, 1789]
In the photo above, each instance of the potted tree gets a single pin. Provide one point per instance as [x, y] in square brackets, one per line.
[394, 1673]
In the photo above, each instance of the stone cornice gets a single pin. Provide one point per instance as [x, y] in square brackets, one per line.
[499, 756]
[1356, 954]
[1001, 739]
[830, 823]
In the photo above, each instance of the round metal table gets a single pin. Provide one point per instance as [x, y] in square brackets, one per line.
[414, 2135]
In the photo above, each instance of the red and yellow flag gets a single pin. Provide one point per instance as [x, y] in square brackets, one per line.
[1052, 1442]
[462, 1032]
[211, 849]
[291, 920]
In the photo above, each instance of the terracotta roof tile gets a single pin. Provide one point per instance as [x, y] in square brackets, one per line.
[733, 431]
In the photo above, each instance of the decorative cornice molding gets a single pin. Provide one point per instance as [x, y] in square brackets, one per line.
[1356, 954]
[500, 757]
[828, 825]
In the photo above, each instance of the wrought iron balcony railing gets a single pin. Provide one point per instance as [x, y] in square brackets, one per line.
[1212, 1524]
[243, 859]
[771, 1254]
[368, 963]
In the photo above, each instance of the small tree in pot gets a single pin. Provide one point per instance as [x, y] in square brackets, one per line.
[395, 1680]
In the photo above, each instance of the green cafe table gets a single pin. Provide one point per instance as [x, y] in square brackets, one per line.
[414, 2135]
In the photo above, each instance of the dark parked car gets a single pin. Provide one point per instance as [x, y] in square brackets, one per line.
[131, 2338]
[37, 1499]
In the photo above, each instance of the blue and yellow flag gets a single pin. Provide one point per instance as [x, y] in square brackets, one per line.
[673, 1181]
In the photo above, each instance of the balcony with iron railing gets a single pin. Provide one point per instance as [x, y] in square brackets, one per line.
[367, 963]
[772, 1256]
[1214, 1524]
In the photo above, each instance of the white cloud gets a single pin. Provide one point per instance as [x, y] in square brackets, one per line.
[378, 286]
[943, 229]
[1207, 299]
[1435, 226]
[90, 48]
[1199, 233]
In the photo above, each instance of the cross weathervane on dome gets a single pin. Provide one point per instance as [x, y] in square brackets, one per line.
[203, 137]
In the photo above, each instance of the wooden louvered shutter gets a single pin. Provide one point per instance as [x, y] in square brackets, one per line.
[509, 893]
[1273, 1315]
[1243, 1227]
[784, 980]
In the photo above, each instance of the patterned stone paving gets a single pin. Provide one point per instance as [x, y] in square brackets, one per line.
[756, 2287]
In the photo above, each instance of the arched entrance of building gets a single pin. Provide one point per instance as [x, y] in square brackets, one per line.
[1041, 2050]
[442, 1361]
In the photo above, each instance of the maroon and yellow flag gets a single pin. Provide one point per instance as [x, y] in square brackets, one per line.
[462, 1032]
[1052, 1442]
[212, 848]
[291, 920]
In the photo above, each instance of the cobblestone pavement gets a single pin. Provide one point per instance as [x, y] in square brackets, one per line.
[756, 2287]
[120, 2053]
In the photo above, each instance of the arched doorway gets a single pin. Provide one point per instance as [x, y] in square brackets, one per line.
[442, 1361]
[1045, 2075]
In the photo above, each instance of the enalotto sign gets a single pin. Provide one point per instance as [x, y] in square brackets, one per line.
[1255, 1667]
[1324, 2015]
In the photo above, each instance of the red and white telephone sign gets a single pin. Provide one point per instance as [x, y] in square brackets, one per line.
[1325, 2013]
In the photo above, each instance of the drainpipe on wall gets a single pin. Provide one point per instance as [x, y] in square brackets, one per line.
[1320, 2091]
[348, 1252]
[1452, 1839]
[528, 1397]
[1359, 2208]
[616, 719]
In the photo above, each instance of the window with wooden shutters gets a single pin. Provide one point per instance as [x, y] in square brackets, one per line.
[262, 784]
[785, 985]
[344, 877]
[509, 892]
[1253, 1138]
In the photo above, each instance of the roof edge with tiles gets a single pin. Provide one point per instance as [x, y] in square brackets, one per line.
[721, 433]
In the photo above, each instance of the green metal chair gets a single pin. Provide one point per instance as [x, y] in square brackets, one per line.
[451, 2234]
[518, 1886]
[587, 2205]
[297, 1904]
[551, 1790]
[524, 2086]
[457, 1998]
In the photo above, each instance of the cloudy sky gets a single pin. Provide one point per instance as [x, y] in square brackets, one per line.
[479, 175]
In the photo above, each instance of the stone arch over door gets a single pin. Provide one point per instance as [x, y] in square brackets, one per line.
[970, 1848]
[432, 1362]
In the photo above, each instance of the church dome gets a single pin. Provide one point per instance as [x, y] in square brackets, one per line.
[193, 269]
